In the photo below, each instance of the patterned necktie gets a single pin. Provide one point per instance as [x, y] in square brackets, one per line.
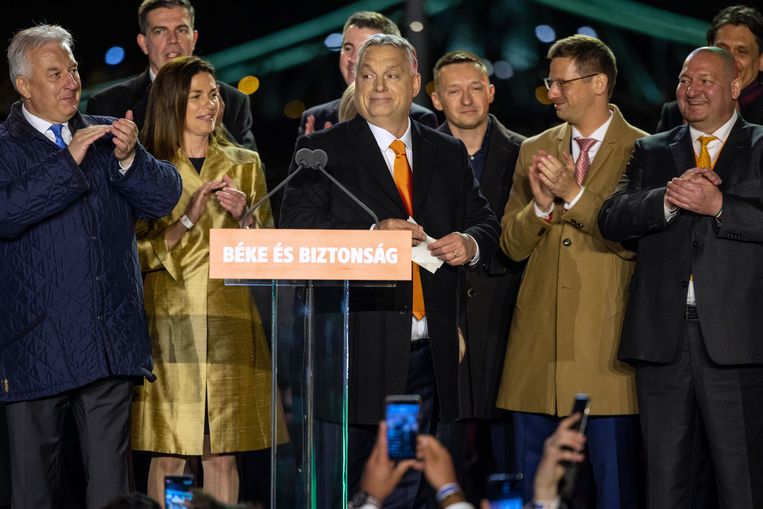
[56, 129]
[583, 163]
[703, 159]
[404, 182]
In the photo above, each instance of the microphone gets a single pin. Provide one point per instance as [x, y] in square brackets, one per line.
[304, 159]
[319, 158]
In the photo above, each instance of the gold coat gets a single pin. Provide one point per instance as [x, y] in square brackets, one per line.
[569, 311]
[208, 341]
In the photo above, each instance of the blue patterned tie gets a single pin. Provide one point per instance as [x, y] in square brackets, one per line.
[57, 128]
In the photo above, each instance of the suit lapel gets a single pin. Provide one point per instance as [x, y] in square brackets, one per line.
[611, 138]
[140, 91]
[563, 141]
[495, 163]
[738, 139]
[682, 151]
[363, 143]
[423, 165]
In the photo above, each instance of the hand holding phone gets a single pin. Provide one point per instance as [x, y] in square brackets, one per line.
[403, 415]
[581, 406]
[504, 491]
[177, 491]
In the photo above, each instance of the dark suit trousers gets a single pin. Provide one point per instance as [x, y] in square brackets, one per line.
[611, 446]
[101, 411]
[413, 490]
[729, 402]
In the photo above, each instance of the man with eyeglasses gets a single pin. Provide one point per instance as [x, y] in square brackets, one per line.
[567, 320]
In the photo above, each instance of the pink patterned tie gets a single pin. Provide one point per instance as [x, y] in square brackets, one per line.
[583, 162]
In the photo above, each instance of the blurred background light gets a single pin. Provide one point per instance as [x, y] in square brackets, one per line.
[333, 41]
[115, 55]
[248, 84]
[545, 33]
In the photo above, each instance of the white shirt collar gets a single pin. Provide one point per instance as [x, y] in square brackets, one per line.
[38, 123]
[384, 138]
[722, 133]
[43, 126]
[599, 133]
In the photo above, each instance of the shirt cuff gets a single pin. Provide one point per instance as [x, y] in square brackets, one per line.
[541, 213]
[669, 214]
[474, 261]
[575, 199]
[123, 169]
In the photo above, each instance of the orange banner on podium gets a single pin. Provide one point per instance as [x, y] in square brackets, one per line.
[310, 254]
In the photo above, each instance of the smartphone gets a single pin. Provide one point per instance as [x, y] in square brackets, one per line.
[177, 491]
[403, 416]
[581, 406]
[504, 491]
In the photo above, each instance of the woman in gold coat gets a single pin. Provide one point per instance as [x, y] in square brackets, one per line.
[211, 397]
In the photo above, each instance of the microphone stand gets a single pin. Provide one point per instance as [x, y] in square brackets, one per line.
[303, 156]
[319, 166]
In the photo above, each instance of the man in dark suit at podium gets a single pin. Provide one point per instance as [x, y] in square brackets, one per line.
[692, 326]
[402, 339]
[357, 28]
[166, 32]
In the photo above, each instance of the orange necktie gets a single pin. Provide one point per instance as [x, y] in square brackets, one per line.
[404, 182]
[703, 159]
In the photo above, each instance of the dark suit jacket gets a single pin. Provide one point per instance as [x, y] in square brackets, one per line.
[132, 94]
[726, 260]
[446, 198]
[671, 117]
[489, 293]
[329, 112]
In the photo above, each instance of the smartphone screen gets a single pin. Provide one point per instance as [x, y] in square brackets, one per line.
[177, 491]
[581, 406]
[505, 491]
[402, 413]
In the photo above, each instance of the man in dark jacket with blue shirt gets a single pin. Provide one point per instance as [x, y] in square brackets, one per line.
[73, 331]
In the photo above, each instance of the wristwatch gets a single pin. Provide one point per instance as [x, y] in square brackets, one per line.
[362, 498]
[186, 222]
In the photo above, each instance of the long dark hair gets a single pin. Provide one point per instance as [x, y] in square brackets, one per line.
[162, 132]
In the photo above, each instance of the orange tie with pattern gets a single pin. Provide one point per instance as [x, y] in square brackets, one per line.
[703, 159]
[404, 182]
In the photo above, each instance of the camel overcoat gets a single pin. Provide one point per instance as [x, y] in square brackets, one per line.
[568, 317]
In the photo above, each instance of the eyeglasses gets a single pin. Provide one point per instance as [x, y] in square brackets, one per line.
[563, 83]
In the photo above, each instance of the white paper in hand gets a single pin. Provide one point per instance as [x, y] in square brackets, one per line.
[422, 256]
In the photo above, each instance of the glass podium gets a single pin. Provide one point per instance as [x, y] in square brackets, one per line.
[308, 326]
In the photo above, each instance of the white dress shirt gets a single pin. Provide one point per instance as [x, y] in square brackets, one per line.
[597, 135]
[384, 139]
[714, 149]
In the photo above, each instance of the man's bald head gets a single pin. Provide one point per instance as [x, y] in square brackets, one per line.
[727, 58]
